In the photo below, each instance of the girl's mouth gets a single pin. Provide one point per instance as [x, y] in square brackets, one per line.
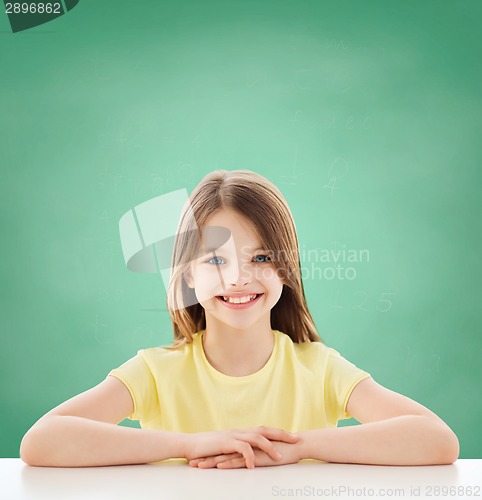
[242, 305]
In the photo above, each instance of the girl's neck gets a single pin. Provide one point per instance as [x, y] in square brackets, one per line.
[237, 352]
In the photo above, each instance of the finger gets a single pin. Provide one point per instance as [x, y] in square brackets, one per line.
[213, 461]
[263, 444]
[277, 434]
[222, 455]
[245, 449]
[196, 461]
[206, 464]
[234, 463]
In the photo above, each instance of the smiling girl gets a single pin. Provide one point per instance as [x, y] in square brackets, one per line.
[247, 381]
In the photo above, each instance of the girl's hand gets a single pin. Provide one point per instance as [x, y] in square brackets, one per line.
[236, 442]
[289, 451]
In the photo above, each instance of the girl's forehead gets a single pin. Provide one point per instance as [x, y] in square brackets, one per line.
[213, 237]
[233, 221]
[227, 215]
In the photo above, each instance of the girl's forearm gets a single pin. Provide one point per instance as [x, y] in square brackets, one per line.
[404, 440]
[68, 441]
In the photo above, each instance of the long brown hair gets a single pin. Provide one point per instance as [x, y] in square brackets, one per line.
[259, 201]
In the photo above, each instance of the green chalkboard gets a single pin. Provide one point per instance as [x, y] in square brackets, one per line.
[366, 115]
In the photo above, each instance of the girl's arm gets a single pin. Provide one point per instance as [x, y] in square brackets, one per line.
[404, 440]
[71, 441]
[396, 430]
[82, 432]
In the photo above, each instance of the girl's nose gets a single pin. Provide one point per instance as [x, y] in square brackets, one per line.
[239, 283]
[238, 275]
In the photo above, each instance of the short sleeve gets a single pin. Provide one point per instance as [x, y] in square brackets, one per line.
[341, 377]
[137, 377]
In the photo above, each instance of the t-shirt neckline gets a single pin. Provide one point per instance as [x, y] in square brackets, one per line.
[234, 379]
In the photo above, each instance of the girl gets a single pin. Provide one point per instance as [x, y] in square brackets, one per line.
[246, 368]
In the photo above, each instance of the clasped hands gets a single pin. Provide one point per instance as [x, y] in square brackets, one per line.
[237, 448]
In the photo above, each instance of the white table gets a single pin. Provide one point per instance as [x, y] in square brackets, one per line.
[176, 480]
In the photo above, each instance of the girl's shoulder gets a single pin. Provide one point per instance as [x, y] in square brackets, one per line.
[312, 352]
[305, 349]
[165, 354]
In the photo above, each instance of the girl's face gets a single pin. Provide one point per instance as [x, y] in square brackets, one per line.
[240, 268]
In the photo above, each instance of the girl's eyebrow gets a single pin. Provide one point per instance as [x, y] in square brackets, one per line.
[256, 249]
[204, 251]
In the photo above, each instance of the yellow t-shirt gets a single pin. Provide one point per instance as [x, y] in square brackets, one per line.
[302, 386]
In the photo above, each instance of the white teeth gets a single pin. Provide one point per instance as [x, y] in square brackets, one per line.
[239, 300]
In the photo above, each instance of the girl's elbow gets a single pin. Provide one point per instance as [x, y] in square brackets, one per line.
[451, 448]
[28, 450]
[454, 452]
[25, 453]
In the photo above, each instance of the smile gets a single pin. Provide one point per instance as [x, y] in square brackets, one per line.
[239, 302]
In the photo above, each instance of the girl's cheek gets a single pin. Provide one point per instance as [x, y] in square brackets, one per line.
[263, 272]
[207, 285]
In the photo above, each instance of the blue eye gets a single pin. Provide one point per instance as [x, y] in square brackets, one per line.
[267, 256]
[256, 259]
[216, 263]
